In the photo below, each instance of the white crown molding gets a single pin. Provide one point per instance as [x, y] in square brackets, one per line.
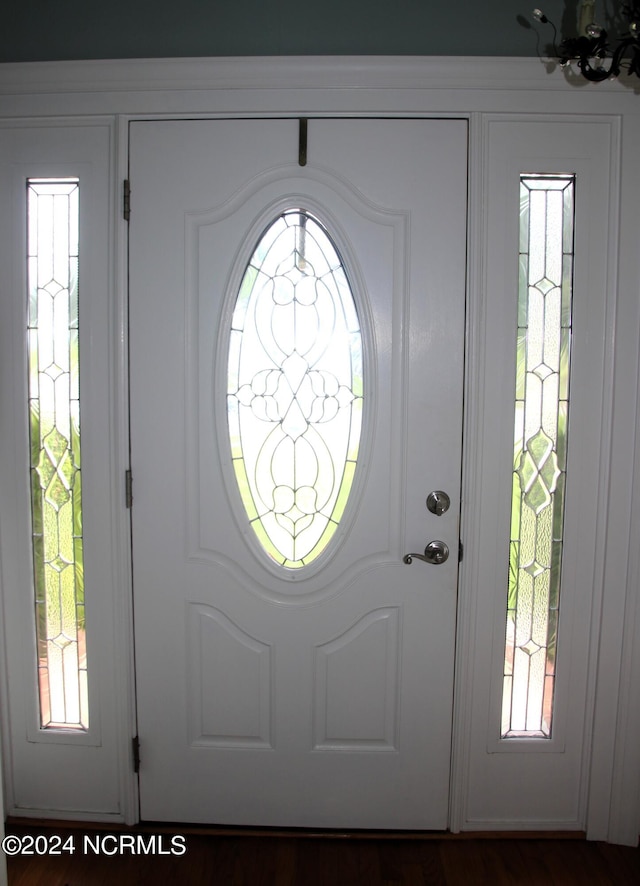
[317, 84]
[277, 72]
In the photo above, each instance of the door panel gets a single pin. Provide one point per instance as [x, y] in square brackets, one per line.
[318, 696]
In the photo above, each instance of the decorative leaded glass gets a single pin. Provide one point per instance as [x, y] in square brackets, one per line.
[295, 389]
[54, 410]
[541, 413]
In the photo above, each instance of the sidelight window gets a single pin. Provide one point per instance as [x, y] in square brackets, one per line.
[540, 448]
[295, 389]
[55, 464]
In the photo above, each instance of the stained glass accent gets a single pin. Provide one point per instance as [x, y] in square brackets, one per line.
[541, 414]
[295, 389]
[54, 411]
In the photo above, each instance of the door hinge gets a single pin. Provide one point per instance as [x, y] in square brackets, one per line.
[128, 488]
[302, 141]
[126, 200]
[460, 551]
[135, 747]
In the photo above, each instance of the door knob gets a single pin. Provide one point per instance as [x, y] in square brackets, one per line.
[436, 552]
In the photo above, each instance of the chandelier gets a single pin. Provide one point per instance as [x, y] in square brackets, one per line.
[595, 58]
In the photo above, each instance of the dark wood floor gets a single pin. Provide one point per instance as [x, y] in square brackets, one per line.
[232, 859]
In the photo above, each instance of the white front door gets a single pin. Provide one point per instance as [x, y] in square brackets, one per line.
[314, 694]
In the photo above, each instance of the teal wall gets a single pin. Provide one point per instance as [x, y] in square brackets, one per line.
[36, 30]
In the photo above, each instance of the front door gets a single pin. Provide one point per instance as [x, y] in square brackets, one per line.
[296, 341]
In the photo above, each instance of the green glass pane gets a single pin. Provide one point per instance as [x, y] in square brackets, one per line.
[561, 448]
[556, 566]
[516, 500]
[558, 508]
[524, 217]
[568, 217]
[552, 636]
[74, 365]
[78, 550]
[565, 346]
[73, 292]
[38, 571]
[523, 289]
[34, 380]
[37, 521]
[567, 288]
[514, 561]
[77, 505]
[518, 433]
[34, 418]
[521, 364]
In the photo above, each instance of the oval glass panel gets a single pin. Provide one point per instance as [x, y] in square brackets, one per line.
[295, 389]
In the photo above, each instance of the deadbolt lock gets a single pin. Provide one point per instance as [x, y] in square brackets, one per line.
[438, 502]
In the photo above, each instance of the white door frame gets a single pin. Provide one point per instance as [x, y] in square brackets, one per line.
[119, 91]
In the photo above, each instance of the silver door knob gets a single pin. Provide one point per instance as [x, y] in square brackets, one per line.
[438, 502]
[436, 552]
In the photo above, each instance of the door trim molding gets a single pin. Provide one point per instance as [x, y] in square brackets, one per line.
[121, 90]
[350, 86]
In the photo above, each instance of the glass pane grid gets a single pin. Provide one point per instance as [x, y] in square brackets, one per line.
[540, 444]
[54, 426]
[294, 389]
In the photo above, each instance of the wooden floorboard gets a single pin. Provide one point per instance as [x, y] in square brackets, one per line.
[236, 858]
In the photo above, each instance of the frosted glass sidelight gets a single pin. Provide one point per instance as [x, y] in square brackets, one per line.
[540, 445]
[295, 389]
[54, 423]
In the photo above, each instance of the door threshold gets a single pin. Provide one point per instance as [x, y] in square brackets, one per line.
[215, 830]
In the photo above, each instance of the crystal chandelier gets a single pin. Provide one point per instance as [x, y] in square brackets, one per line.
[595, 58]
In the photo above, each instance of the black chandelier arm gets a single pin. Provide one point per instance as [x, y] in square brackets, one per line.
[631, 47]
[585, 49]
[595, 59]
